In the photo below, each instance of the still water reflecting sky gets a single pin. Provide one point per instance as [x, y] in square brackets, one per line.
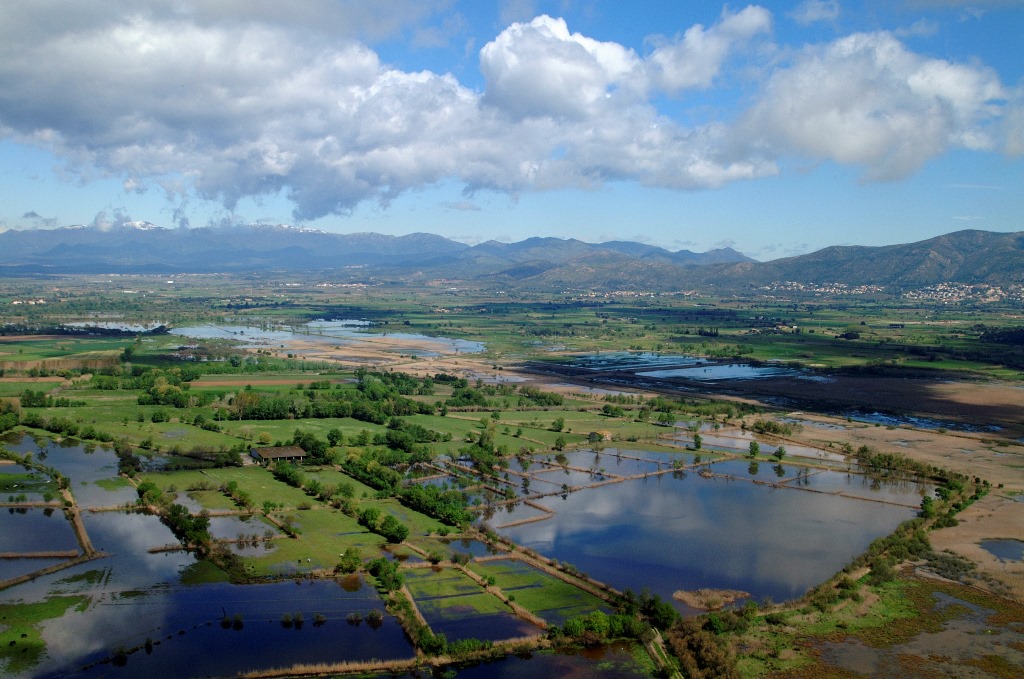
[686, 533]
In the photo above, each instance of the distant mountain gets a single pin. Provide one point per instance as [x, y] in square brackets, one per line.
[141, 247]
[969, 257]
[131, 248]
[535, 263]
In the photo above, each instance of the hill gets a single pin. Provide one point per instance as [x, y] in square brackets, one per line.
[550, 264]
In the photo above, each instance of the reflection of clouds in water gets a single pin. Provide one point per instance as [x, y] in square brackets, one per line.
[102, 628]
[112, 619]
[702, 532]
[127, 538]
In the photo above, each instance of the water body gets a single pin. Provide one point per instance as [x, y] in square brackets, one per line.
[731, 371]
[918, 422]
[134, 595]
[191, 641]
[1005, 549]
[664, 366]
[328, 333]
[86, 466]
[35, 530]
[681, 531]
[633, 360]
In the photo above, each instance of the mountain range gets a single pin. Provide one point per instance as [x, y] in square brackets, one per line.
[536, 263]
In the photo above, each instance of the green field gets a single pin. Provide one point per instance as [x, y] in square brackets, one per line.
[546, 596]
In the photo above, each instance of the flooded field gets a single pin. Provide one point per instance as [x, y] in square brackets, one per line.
[329, 333]
[772, 538]
[722, 525]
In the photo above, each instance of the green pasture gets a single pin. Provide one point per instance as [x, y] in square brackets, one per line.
[11, 388]
[329, 476]
[60, 347]
[448, 594]
[324, 536]
[419, 524]
[210, 499]
[258, 482]
[550, 598]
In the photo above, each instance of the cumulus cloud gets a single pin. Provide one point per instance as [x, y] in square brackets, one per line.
[539, 69]
[694, 60]
[229, 99]
[867, 100]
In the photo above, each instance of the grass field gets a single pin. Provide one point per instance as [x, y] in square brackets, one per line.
[546, 596]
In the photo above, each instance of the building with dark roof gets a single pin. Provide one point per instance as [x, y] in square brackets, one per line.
[266, 454]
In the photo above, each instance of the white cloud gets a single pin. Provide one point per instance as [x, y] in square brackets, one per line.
[867, 100]
[540, 69]
[812, 11]
[694, 60]
[229, 100]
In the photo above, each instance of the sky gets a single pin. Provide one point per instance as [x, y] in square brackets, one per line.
[775, 129]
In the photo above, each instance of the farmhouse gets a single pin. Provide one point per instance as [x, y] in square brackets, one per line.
[275, 453]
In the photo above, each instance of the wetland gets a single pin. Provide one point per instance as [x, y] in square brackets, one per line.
[460, 508]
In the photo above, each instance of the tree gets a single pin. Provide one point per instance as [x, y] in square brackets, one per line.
[558, 424]
[780, 453]
[369, 517]
[393, 530]
[698, 441]
[350, 561]
[755, 448]
[559, 442]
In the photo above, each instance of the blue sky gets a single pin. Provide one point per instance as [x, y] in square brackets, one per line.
[776, 129]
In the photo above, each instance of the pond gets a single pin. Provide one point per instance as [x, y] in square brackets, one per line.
[682, 531]
[35, 529]
[187, 626]
[1004, 549]
[92, 469]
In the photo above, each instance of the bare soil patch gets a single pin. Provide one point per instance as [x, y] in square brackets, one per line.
[986, 455]
[994, 516]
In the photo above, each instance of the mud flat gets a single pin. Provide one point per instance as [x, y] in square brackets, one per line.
[709, 599]
[993, 406]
